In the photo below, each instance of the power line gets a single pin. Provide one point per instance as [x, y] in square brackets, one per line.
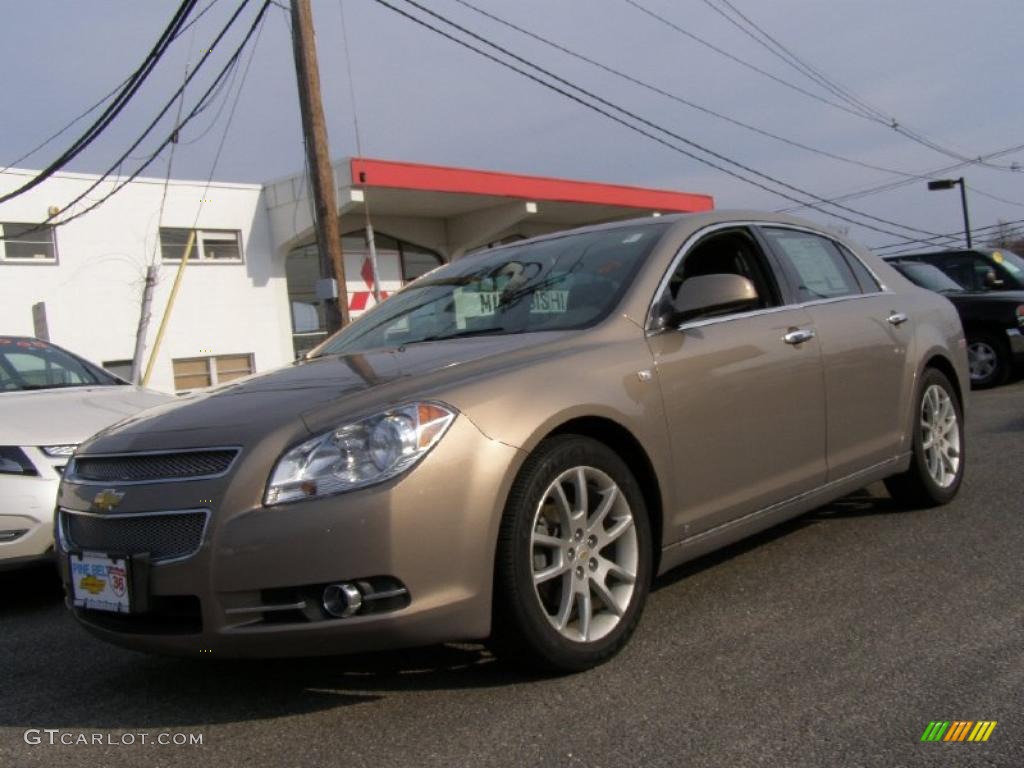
[779, 50]
[170, 160]
[258, 23]
[916, 245]
[910, 176]
[223, 92]
[199, 108]
[126, 94]
[686, 102]
[643, 121]
[742, 62]
[990, 196]
[201, 105]
[857, 111]
[892, 185]
[45, 142]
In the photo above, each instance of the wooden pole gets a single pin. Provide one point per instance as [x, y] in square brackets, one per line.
[144, 314]
[314, 129]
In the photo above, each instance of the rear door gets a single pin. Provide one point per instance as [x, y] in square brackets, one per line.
[863, 334]
[745, 407]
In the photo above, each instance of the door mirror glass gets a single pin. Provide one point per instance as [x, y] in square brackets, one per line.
[705, 295]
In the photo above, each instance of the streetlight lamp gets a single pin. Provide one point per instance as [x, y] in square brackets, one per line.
[949, 184]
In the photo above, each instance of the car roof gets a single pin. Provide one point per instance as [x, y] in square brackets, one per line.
[945, 252]
[681, 220]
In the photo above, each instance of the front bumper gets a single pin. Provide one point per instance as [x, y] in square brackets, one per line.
[26, 518]
[432, 530]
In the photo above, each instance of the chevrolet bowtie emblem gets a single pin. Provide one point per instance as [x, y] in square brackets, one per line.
[107, 499]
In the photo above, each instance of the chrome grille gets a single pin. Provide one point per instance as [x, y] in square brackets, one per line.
[164, 536]
[151, 467]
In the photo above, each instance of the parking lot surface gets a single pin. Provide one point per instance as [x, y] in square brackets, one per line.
[833, 640]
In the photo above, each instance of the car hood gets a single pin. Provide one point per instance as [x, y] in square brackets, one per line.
[291, 400]
[68, 416]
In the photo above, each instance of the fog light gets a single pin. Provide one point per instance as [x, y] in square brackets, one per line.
[342, 600]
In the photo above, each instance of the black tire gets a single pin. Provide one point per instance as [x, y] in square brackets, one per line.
[989, 345]
[522, 632]
[916, 488]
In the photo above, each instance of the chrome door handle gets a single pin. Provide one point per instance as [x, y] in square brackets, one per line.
[798, 336]
[897, 318]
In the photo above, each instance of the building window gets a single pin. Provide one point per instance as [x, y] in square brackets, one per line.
[120, 368]
[211, 245]
[199, 372]
[27, 243]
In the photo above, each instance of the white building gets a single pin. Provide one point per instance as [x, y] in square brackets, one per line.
[246, 302]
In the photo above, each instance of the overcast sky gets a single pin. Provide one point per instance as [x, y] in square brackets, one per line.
[948, 70]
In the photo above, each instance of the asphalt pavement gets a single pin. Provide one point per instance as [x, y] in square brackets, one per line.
[833, 640]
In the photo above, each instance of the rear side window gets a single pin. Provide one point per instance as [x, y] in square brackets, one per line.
[868, 283]
[815, 264]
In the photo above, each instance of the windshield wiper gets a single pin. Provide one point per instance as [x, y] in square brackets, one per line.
[459, 335]
[34, 387]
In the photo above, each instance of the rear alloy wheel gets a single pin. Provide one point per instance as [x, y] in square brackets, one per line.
[574, 558]
[988, 360]
[937, 467]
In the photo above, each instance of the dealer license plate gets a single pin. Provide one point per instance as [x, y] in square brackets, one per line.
[101, 582]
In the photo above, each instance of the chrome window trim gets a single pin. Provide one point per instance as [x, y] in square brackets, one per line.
[651, 330]
[70, 476]
[65, 540]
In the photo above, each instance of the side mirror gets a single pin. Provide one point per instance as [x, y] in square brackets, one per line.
[709, 295]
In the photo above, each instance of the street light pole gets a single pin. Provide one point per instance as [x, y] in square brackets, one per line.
[949, 184]
[967, 219]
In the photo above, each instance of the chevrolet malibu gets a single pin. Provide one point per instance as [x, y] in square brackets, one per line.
[513, 446]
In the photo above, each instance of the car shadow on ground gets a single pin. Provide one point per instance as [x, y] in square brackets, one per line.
[113, 688]
[866, 502]
[29, 589]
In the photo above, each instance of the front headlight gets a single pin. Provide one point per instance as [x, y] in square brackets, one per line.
[358, 454]
[58, 451]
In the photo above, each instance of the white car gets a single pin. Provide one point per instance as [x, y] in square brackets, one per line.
[50, 401]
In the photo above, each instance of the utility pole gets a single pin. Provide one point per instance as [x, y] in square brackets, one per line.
[314, 131]
[152, 271]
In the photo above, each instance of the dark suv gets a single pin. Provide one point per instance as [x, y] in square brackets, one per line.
[978, 269]
[993, 322]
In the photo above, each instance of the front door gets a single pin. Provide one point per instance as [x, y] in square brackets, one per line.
[744, 399]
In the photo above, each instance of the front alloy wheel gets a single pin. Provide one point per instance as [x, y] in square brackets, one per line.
[585, 554]
[574, 558]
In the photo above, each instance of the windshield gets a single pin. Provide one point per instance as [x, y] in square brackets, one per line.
[1013, 263]
[549, 285]
[927, 276]
[32, 364]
